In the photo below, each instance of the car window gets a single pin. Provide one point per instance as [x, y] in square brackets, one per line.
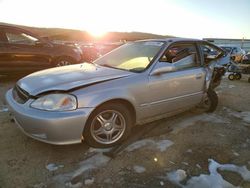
[16, 37]
[3, 38]
[227, 49]
[210, 52]
[182, 56]
[135, 57]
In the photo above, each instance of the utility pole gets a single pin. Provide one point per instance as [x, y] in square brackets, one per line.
[242, 42]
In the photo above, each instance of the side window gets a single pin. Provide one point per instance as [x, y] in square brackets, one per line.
[183, 56]
[210, 52]
[16, 37]
[3, 38]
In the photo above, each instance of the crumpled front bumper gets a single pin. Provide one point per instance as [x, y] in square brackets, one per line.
[58, 128]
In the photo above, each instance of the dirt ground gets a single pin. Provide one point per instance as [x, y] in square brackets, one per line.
[195, 138]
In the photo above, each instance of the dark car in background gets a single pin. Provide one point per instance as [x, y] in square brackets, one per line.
[92, 51]
[235, 52]
[24, 51]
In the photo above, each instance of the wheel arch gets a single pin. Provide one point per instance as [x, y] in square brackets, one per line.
[64, 57]
[90, 140]
[121, 101]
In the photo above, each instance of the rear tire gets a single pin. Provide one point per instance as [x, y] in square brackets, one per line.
[211, 101]
[237, 76]
[102, 130]
[231, 77]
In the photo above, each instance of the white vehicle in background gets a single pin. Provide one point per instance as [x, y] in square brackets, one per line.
[235, 52]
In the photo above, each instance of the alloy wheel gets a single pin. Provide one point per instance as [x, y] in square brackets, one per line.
[108, 127]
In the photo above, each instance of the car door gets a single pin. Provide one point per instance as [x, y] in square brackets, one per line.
[25, 52]
[181, 88]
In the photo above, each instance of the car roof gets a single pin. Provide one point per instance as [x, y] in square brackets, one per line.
[6, 25]
[172, 39]
[19, 28]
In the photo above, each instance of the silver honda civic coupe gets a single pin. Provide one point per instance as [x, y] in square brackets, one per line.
[100, 102]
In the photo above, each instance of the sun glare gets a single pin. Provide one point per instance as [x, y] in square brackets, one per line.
[97, 33]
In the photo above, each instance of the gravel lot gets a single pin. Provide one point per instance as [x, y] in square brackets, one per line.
[185, 156]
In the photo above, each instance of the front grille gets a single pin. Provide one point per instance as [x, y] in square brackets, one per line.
[20, 95]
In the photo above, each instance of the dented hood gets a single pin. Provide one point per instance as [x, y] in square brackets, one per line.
[68, 77]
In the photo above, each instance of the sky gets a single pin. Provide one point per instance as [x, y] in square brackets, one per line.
[182, 18]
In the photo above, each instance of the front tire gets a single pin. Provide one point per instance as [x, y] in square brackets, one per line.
[63, 61]
[211, 101]
[231, 77]
[108, 125]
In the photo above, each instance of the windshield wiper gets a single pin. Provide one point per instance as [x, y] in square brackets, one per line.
[106, 65]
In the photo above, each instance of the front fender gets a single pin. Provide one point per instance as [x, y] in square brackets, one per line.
[95, 99]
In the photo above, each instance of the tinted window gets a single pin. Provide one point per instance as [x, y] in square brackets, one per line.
[16, 37]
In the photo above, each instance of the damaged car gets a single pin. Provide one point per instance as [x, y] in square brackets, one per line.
[100, 102]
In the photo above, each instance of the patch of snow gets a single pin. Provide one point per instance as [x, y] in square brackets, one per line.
[89, 181]
[177, 176]
[208, 181]
[236, 154]
[3, 109]
[98, 160]
[162, 145]
[231, 86]
[213, 118]
[198, 166]
[212, 180]
[139, 144]
[222, 135]
[185, 163]
[98, 150]
[241, 170]
[53, 167]
[161, 183]
[139, 169]
[245, 116]
[171, 162]
[77, 185]
[40, 185]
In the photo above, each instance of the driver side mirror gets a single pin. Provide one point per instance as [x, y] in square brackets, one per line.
[163, 69]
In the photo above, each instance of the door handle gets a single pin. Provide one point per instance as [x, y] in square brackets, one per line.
[198, 76]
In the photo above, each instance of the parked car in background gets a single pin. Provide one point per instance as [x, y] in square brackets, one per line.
[24, 51]
[93, 51]
[236, 52]
[246, 59]
[90, 52]
[100, 102]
